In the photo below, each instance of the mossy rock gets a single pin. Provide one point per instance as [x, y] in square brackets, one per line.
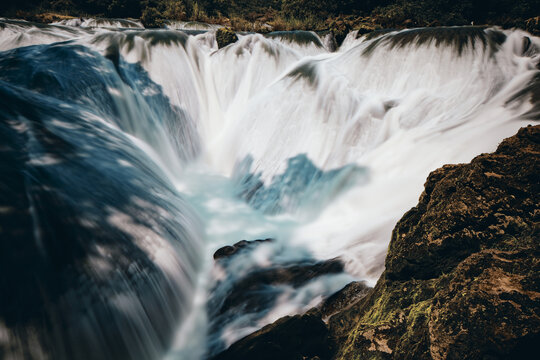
[225, 36]
[462, 278]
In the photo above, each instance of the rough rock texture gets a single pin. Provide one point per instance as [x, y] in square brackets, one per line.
[251, 292]
[462, 278]
[290, 338]
[344, 298]
[299, 337]
[225, 36]
[248, 289]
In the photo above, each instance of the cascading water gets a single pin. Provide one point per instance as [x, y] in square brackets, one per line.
[129, 156]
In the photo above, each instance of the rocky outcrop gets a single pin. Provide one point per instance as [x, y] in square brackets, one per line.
[225, 36]
[247, 289]
[290, 338]
[299, 337]
[462, 278]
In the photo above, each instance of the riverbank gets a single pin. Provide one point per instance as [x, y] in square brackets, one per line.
[250, 16]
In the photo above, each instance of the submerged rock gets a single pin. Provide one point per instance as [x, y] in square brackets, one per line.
[225, 36]
[227, 251]
[246, 292]
[462, 278]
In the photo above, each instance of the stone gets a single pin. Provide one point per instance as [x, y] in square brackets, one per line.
[227, 251]
[290, 338]
[462, 278]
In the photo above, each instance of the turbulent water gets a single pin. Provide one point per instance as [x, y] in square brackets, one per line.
[128, 156]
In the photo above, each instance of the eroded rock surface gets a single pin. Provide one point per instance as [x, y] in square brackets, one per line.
[462, 278]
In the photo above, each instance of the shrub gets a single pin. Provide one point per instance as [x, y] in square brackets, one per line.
[151, 18]
[225, 36]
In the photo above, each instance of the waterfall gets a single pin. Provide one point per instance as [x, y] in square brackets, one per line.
[129, 156]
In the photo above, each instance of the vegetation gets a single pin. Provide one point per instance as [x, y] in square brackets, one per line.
[257, 15]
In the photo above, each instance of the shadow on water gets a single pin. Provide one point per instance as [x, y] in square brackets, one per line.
[98, 253]
[123, 93]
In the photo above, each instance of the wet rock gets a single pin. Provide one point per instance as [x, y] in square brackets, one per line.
[467, 208]
[251, 291]
[345, 298]
[340, 28]
[462, 276]
[228, 251]
[225, 36]
[290, 338]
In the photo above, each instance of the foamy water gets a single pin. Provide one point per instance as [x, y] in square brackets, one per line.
[270, 137]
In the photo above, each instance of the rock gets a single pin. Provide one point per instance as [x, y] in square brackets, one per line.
[344, 298]
[228, 251]
[42, 18]
[290, 338]
[467, 208]
[225, 36]
[250, 292]
[462, 276]
[247, 290]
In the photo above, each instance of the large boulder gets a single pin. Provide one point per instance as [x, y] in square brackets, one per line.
[290, 338]
[462, 278]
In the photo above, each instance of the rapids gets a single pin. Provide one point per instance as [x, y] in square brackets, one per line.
[128, 156]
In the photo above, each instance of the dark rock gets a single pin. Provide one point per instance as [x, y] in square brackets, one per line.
[462, 278]
[225, 36]
[227, 251]
[467, 208]
[253, 291]
[250, 291]
[290, 338]
[344, 298]
[340, 28]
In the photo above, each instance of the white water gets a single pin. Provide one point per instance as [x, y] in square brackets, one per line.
[393, 114]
